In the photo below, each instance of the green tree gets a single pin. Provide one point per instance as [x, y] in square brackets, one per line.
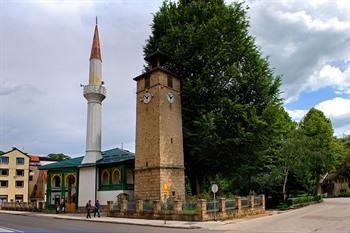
[344, 168]
[230, 96]
[1, 152]
[58, 156]
[323, 152]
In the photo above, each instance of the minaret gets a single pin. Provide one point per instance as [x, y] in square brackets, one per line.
[95, 93]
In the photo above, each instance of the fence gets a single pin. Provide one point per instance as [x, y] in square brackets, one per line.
[190, 211]
[22, 206]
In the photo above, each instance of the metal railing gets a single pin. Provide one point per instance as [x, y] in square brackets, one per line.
[189, 207]
[244, 202]
[230, 204]
[256, 200]
[147, 207]
[212, 206]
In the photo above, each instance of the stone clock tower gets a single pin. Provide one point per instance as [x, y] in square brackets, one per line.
[159, 159]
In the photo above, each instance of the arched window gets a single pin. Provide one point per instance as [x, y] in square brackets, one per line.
[116, 176]
[57, 181]
[104, 177]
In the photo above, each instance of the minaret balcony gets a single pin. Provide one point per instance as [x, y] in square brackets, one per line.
[94, 91]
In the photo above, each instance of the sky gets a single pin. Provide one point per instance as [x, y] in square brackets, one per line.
[44, 57]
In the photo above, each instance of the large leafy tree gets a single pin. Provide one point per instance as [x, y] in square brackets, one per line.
[323, 152]
[344, 168]
[58, 156]
[231, 108]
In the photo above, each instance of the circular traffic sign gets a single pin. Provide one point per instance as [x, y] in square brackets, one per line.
[214, 188]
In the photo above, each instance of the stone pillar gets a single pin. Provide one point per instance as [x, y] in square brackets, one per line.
[177, 206]
[238, 203]
[156, 207]
[251, 201]
[262, 201]
[109, 206]
[201, 209]
[123, 206]
[139, 206]
[222, 204]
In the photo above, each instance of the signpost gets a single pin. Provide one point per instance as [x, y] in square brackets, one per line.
[214, 189]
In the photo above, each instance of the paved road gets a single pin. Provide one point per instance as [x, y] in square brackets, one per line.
[331, 216]
[32, 223]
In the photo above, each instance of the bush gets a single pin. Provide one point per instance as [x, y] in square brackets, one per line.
[303, 199]
[347, 194]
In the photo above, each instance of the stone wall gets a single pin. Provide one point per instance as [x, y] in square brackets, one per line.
[201, 213]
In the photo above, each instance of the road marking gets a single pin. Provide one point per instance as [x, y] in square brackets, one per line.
[7, 229]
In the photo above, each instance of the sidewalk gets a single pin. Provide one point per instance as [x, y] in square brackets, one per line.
[210, 225]
[129, 221]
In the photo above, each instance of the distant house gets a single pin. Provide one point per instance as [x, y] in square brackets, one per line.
[38, 178]
[336, 184]
[14, 176]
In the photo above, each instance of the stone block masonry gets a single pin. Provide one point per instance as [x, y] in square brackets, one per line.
[202, 212]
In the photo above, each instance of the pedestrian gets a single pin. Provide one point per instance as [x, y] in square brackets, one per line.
[88, 209]
[97, 209]
[63, 206]
[57, 206]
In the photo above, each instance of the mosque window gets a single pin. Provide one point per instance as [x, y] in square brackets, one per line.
[57, 181]
[104, 177]
[116, 176]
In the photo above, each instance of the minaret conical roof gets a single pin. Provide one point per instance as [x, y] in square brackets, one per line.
[95, 50]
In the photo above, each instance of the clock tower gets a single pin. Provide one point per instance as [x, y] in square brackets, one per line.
[159, 159]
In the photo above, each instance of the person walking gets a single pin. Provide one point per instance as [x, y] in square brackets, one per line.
[88, 209]
[97, 209]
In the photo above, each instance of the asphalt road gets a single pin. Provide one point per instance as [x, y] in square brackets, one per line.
[31, 223]
[331, 216]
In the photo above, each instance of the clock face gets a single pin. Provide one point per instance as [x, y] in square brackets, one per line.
[147, 97]
[170, 97]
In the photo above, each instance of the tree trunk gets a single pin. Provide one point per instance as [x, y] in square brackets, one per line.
[198, 187]
[286, 172]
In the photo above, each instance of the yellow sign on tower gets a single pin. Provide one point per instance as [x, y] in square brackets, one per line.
[165, 188]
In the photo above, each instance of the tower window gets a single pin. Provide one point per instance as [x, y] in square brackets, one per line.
[170, 81]
[171, 140]
[147, 82]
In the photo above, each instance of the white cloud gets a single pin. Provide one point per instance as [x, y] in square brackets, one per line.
[297, 114]
[337, 109]
[301, 38]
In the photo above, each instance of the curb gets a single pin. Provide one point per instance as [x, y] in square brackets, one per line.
[103, 221]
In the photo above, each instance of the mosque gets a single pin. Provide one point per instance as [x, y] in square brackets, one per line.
[154, 172]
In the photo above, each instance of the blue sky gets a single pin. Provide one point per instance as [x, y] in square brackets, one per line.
[44, 56]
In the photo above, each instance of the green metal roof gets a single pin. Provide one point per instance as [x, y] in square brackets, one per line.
[115, 155]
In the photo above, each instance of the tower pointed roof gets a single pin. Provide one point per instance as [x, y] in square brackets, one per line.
[95, 50]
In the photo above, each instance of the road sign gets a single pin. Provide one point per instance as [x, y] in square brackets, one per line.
[214, 188]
